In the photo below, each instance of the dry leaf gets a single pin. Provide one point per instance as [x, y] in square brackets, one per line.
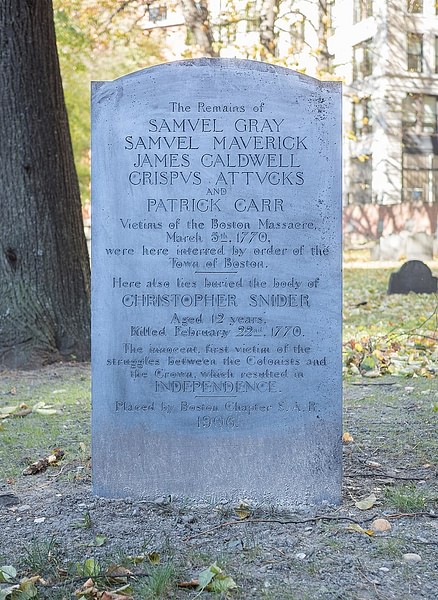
[154, 558]
[42, 464]
[113, 596]
[354, 527]
[44, 409]
[243, 511]
[347, 438]
[366, 503]
[194, 583]
[117, 571]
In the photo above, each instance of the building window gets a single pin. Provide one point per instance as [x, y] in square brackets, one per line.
[420, 113]
[157, 13]
[362, 119]
[415, 52]
[362, 9]
[415, 6]
[420, 177]
[361, 173]
[362, 60]
[252, 17]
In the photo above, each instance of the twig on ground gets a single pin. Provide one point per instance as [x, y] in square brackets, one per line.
[279, 521]
[417, 514]
[373, 383]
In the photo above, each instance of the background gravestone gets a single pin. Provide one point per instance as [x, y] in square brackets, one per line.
[419, 246]
[217, 284]
[413, 276]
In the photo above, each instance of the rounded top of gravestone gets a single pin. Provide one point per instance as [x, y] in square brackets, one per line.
[413, 276]
[227, 64]
[416, 267]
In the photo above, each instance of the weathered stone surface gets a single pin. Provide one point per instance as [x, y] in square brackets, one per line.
[413, 276]
[217, 284]
[419, 246]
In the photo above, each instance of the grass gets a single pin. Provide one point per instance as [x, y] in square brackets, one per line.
[160, 582]
[42, 558]
[383, 334]
[406, 498]
[27, 439]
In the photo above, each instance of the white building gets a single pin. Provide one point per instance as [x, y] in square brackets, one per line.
[386, 53]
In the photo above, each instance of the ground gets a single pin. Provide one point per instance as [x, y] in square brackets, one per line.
[52, 526]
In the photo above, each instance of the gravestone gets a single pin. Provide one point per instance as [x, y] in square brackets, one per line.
[419, 246]
[392, 247]
[413, 276]
[216, 344]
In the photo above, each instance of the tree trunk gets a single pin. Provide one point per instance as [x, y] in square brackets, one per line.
[323, 54]
[44, 267]
[268, 15]
[197, 20]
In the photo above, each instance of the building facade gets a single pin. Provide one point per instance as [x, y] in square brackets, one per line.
[386, 52]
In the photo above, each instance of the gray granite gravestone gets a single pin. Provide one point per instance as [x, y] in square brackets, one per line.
[217, 284]
[413, 276]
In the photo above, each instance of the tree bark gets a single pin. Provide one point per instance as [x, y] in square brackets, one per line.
[197, 20]
[268, 16]
[44, 267]
[323, 54]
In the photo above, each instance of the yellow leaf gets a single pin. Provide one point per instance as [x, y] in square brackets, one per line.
[354, 527]
[347, 438]
[7, 410]
[154, 558]
[366, 503]
[243, 511]
[46, 411]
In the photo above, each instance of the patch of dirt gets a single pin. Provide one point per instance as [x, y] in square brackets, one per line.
[324, 554]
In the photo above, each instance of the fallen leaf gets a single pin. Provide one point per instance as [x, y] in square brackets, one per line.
[243, 511]
[99, 541]
[42, 464]
[154, 558]
[213, 579]
[7, 411]
[193, 583]
[347, 438]
[366, 503]
[354, 527]
[5, 593]
[106, 595]
[118, 571]
[44, 409]
[88, 568]
[7, 573]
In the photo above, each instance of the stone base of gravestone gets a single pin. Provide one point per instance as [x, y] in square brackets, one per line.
[413, 276]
